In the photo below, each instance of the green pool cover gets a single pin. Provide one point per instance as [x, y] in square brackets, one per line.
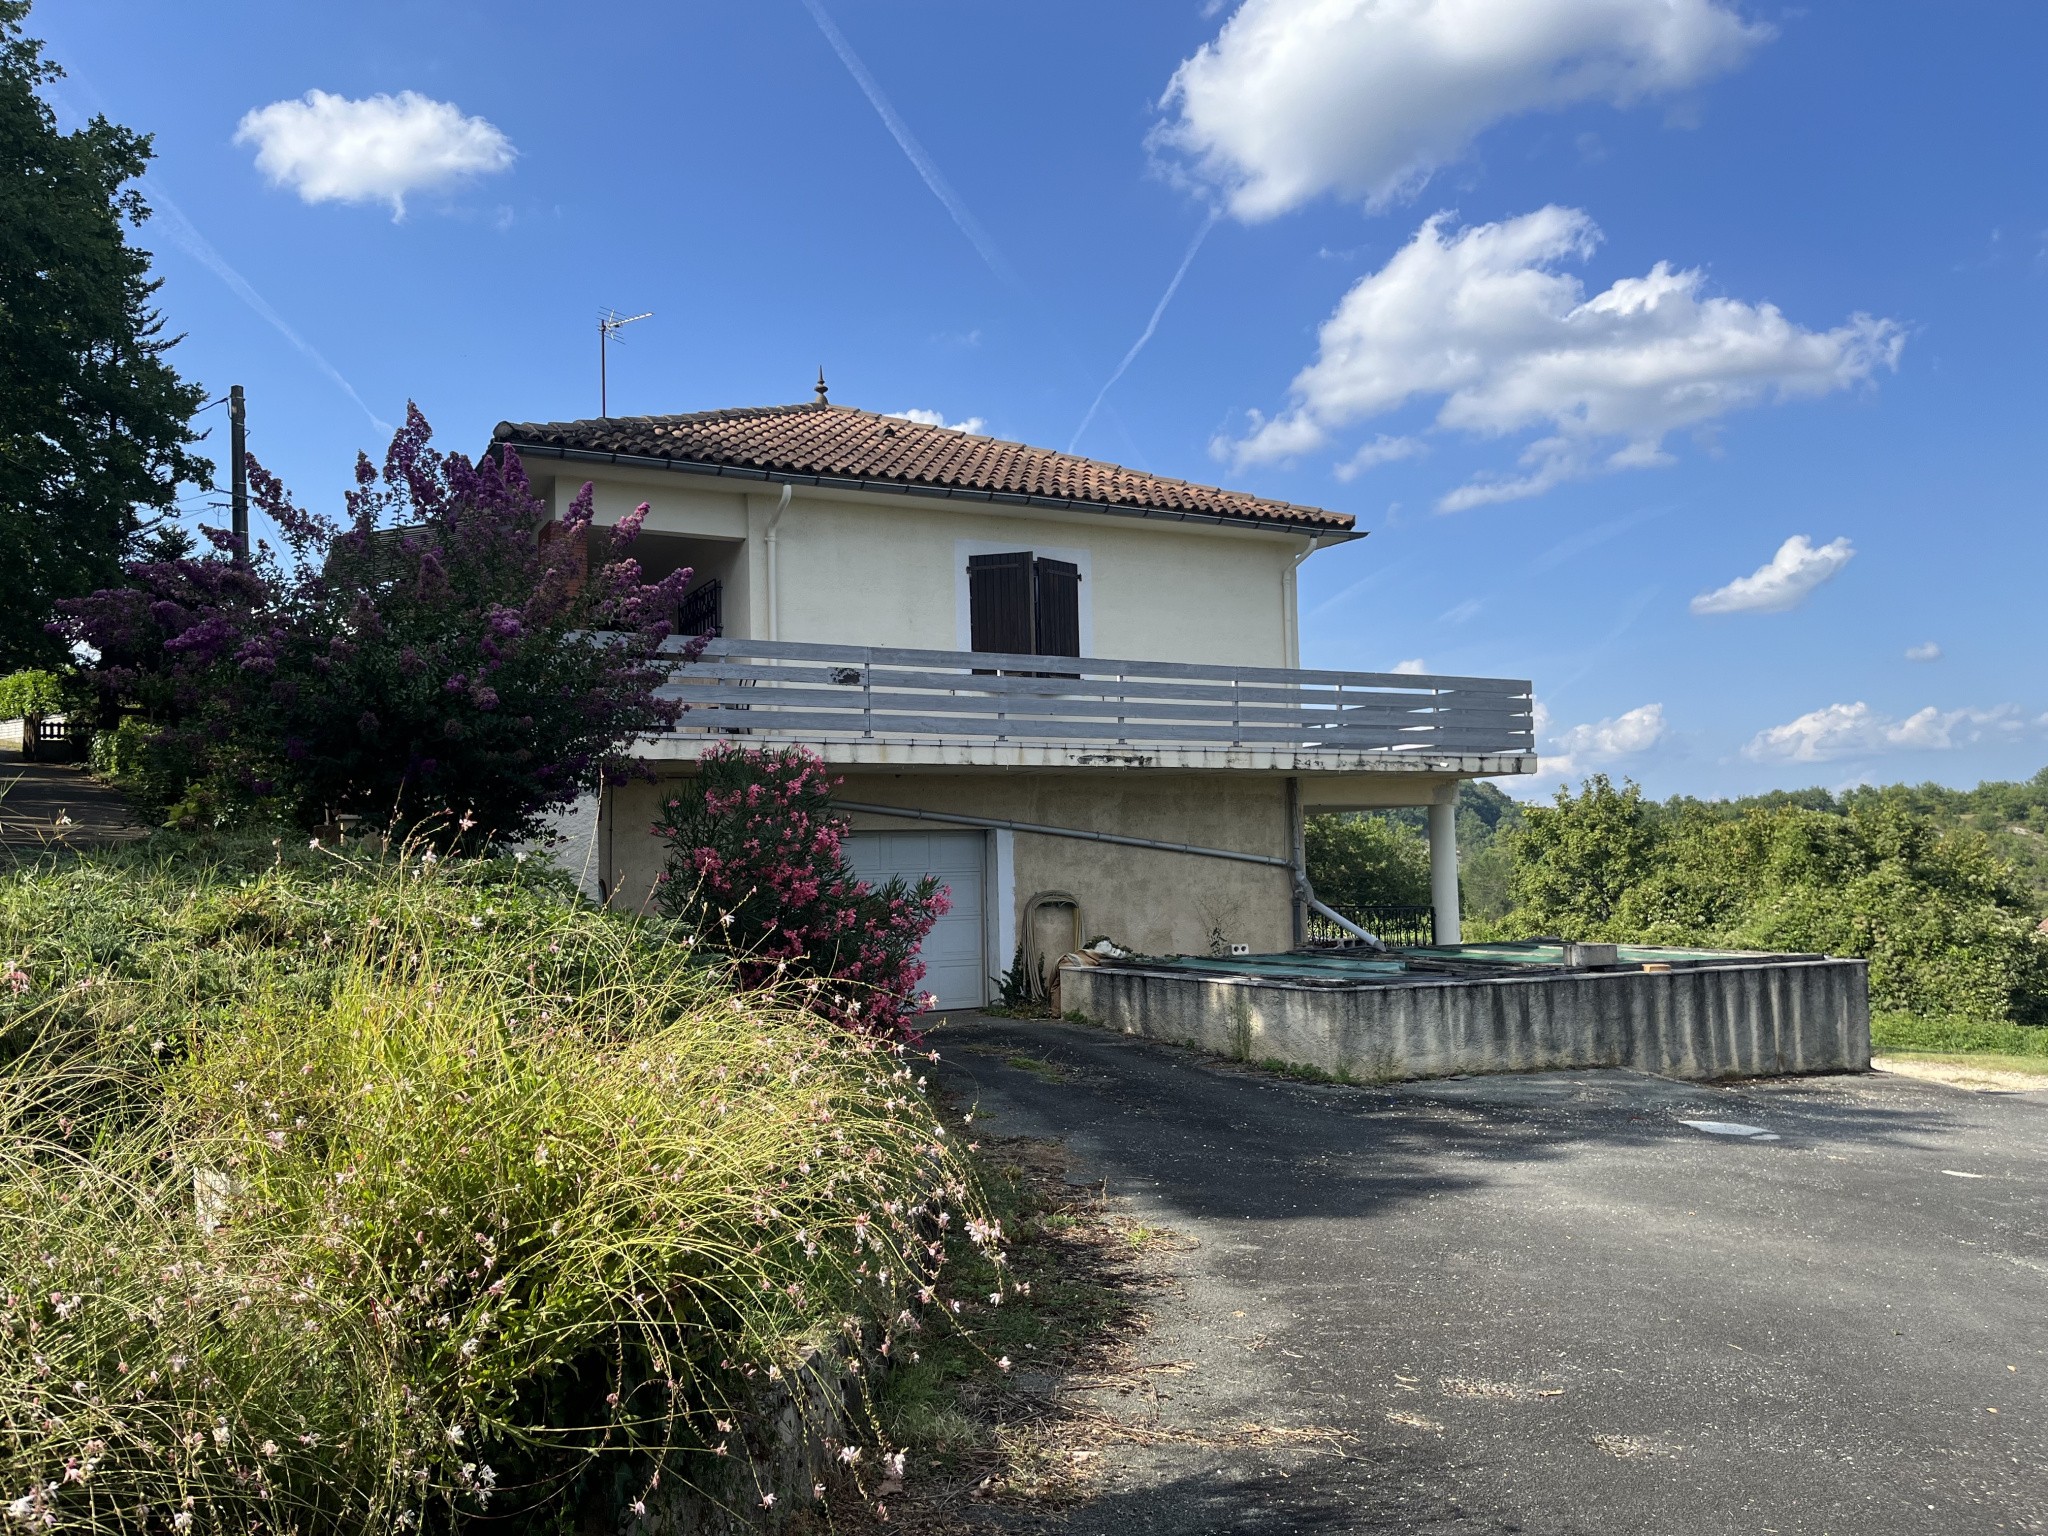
[1341, 965]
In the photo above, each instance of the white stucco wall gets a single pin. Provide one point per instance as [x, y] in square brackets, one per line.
[862, 569]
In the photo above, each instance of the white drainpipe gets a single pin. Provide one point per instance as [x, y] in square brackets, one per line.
[774, 595]
[1290, 600]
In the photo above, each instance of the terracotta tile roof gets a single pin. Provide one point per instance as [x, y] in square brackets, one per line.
[840, 443]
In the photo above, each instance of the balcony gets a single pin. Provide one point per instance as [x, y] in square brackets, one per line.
[886, 706]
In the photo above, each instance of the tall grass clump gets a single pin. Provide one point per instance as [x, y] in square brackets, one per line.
[348, 1194]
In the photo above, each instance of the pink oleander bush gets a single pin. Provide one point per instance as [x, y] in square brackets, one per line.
[441, 651]
[755, 869]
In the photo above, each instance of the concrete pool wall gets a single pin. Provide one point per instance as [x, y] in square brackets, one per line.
[1752, 1016]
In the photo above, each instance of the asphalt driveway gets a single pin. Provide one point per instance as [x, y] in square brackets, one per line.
[58, 805]
[1549, 1304]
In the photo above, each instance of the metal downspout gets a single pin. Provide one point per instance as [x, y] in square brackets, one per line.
[1000, 825]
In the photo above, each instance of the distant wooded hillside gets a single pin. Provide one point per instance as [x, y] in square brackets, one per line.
[1941, 889]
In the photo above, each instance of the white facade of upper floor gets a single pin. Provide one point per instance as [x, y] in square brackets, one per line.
[857, 567]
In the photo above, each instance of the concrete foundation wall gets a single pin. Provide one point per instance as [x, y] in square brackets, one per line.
[1753, 1020]
[1149, 900]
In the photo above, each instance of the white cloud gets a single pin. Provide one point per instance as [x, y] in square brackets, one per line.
[972, 424]
[1459, 613]
[1366, 98]
[1381, 450]
[1927, 651]
[1782, 582]
[1413, 667]
[1580, 747]
[1482, 318]
[1846, 730]
[380, 149]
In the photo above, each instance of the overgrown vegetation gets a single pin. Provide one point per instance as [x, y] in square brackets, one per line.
[441, 646]
[1942, 890]
[345, 1191]
[35, 695]
[1364, 861]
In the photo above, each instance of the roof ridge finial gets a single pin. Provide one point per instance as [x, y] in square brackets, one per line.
[821, 386]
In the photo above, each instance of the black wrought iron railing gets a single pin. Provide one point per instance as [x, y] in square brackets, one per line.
[702, 610]
[1401, 927]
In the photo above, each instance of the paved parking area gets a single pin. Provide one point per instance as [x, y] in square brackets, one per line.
[1573, 1303]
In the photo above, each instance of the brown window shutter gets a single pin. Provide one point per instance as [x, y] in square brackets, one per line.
[1058, 616]
[999, 603]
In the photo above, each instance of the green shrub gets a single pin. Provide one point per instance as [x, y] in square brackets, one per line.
[1577, 860]
[1948, 928]
[342, 1193]
[129, 757]
[31, 695]
[1364, 861]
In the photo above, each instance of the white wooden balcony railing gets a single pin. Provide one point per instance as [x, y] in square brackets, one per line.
[839, 692]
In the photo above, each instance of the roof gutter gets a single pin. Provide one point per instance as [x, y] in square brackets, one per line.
[900, 488]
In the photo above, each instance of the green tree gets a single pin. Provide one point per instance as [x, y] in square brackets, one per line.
[1947, 926]
[1576, 859]
[95, 426]
[31, 695]
[1364, 861]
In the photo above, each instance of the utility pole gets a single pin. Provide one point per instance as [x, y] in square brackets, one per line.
[609, 324]
[238, 468]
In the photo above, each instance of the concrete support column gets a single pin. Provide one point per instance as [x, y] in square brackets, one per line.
[1443, 865]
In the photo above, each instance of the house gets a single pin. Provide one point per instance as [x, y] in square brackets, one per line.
[1070, 689]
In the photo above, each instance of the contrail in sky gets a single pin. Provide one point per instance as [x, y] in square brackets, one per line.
[914, 151]
[1151, 325]
[1622, 626]
[185, 235]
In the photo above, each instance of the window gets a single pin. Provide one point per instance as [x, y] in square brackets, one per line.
[1021, 604]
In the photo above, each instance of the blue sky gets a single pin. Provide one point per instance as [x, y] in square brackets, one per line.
[1427, 291]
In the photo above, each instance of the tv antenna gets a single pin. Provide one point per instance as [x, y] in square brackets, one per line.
[609, 324]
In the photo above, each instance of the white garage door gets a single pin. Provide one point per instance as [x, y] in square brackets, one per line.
[952, 951]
